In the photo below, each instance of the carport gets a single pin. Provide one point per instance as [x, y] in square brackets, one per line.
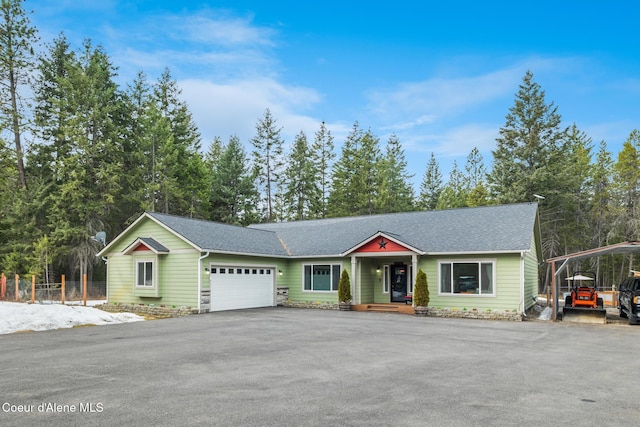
[618, 248]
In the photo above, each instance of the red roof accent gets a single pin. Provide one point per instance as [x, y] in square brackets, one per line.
[381, 244]
[141, 247]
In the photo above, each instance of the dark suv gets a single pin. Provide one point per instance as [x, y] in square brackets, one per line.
[629, 299]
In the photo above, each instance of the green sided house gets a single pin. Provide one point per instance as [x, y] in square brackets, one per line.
[482, 258]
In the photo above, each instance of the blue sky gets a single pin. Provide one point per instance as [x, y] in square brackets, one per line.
[440, 75]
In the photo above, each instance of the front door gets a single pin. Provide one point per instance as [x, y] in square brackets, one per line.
[398, 282]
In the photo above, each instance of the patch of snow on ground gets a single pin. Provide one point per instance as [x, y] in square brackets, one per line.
[42, 317]
[546, 314]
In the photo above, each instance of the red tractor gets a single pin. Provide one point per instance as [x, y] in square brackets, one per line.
[583, 303]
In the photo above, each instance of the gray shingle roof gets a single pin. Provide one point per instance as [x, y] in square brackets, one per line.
[214, 236]
[154, 244]
[506, 228]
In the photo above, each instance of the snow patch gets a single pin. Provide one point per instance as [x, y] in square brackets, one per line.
[39, 317]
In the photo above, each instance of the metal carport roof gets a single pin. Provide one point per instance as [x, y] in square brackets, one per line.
[618, 248]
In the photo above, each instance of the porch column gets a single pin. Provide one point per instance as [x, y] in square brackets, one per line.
[414, 273]
[354, 262]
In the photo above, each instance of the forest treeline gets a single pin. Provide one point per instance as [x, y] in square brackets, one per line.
[80, 154]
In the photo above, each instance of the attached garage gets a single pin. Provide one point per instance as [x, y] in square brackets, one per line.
[237, 287]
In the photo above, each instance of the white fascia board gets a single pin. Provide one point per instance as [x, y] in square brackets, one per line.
[508, 252]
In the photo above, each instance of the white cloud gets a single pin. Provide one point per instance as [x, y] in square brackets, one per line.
[234, 108]
[439, 97]
[221, 30]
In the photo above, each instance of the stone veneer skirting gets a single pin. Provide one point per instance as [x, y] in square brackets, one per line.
[311, 304]
[147, 310]
[164, 312]
[475, 314]
[431, 311]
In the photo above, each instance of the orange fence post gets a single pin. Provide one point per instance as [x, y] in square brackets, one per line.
[62, 297]
[33, 289]
[17, 287]
[3, 284]
[84, 289]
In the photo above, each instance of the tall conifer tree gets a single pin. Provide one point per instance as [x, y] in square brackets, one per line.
[431, 185]
[323, 156]
[17, 40]
[267, 159]
[395, 192]
[300, 192]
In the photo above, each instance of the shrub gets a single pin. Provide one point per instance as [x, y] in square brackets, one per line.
[421, 290]
[344, 287]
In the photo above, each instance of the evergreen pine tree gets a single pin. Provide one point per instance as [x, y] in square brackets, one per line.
[529, 143]
[267, 159]
[17, 40]
[431, 186]
[454, 193]
[342, 198]
[475, 179]
[322, 157]
[395, 192]
[233, 194]
[300, 190]
[627, 187]
[180, 169]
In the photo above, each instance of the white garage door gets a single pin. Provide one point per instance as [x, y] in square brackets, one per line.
[235, 287]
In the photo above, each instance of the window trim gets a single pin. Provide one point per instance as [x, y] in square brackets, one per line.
[334, 286]
[478, 261]
[154, 274]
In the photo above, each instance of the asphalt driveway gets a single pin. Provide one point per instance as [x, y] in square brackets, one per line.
[290, 367]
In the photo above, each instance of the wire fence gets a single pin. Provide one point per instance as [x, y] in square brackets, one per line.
[24, 290]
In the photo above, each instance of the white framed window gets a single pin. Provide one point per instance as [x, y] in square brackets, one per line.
[144, 274]
[320, 277]
[468, 277]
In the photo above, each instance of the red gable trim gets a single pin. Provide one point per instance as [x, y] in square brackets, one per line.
[381, 244]
[141, 247]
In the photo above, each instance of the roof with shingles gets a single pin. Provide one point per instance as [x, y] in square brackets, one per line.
[504, 228]
[154, 244]
[218, 237]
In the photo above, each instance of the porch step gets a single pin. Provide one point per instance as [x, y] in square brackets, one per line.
[388, 308]
[384, 308]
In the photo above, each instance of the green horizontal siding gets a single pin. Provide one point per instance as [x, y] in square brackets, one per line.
[294, 281]
[507, 286]
[177, 272]
[531, 262]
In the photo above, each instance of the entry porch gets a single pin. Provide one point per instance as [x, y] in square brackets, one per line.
[383, 283]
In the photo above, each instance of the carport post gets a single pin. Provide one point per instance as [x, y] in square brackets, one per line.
[84, 289]
[554, 292]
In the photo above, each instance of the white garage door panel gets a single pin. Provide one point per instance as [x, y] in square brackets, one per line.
[241, 290]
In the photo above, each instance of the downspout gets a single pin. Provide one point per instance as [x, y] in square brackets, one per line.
[106, 277]
[522, 281]
[200, 279]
